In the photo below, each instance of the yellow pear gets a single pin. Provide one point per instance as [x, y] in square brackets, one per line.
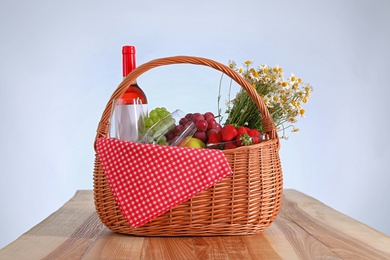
[192, 142]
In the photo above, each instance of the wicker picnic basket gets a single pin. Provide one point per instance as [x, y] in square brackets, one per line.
[245, 202]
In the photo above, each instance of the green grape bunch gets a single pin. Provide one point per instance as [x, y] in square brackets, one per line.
[160, 122]
[154, 116]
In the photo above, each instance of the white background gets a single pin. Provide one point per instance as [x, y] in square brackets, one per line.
[61, 60]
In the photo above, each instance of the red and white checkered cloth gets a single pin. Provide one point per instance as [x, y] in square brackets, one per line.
[147, 180]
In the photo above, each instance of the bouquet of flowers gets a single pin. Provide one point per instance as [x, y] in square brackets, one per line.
[284, 98]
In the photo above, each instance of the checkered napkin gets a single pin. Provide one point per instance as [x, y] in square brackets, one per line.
[147, 180]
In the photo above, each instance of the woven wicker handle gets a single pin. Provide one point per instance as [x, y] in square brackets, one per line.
[268, 123]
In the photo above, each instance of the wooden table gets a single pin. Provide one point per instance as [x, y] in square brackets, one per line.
[304, 229]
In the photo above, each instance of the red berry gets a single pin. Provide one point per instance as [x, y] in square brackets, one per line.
[228, 133]
[242, 130]
[215, 138]
[230, 145]
[253, 132]
[238, 140]
[244, 139]
[256, 140]
[201, 125]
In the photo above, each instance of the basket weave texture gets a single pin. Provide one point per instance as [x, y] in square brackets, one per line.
[245, 202]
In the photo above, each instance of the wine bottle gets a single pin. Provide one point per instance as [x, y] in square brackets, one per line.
[131, 108]
[134, 94]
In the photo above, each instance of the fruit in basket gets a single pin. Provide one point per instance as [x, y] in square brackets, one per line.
[193, 142]
[228, 133]
[253, 132]
[208, 116]
[243, 139]
[179, 133]
[212, 131]
[242, 130]
[205, 124]
[201, 136]
[154, 116]
[201, 125]
[213, 124]
[157, 133]
[196, 117]
[255, 136]
[167, 130]
[197, 130]
[256, 139]
[230, 145]
[230, 137]
[215, 138]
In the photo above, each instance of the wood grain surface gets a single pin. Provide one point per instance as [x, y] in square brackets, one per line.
[304, 229]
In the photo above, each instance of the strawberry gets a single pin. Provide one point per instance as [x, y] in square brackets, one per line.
[228, 133]
[230, 145]
[244, 140]
[256, 139]
[242, 130]
[215, 138]
[253, 132]
[238, 140]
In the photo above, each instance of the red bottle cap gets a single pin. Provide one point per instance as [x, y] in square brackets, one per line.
[128, 59]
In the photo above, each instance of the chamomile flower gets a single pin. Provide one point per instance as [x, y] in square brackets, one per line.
[292, 78]
[232, 64]
[292, 120]
[248, 63]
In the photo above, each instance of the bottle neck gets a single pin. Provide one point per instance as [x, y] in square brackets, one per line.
[128, 59]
